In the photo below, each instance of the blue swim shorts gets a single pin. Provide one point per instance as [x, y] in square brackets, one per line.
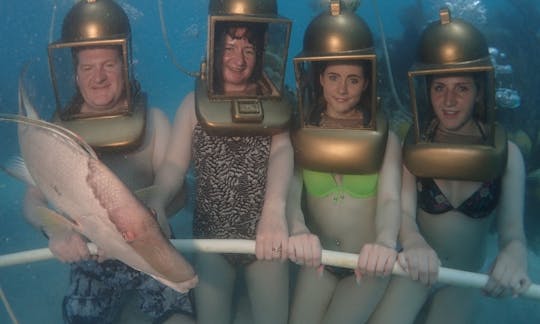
[97, 292]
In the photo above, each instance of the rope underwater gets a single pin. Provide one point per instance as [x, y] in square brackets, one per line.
[8, 307]
[387, 57]
[170, 51]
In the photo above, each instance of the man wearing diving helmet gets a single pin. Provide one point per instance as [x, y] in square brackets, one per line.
[98, 98]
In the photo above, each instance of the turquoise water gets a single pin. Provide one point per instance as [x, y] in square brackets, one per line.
[35, 290]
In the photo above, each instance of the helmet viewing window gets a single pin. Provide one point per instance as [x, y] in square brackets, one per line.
[269, 38]
[311, 101]
[422, 108]
[63, 62]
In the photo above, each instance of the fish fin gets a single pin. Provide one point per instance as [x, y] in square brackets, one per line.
[52, 221]
[16, 168]
[145, 193]
[26, 108]
[181, 287]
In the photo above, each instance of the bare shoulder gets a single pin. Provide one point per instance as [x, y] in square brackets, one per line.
[513, 149]
[393, 140]
[514, 155]
[189, 99]
[281, 137]
[157, 118]
[185, 114]
[392, 154]
[157, 123]
[515, 166]
[188, 104]
[281, 140]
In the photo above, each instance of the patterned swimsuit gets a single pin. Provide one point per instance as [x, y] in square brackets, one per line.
[479, 205]
[231, 182]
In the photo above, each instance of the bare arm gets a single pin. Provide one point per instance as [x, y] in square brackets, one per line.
[388, 220]
[295, 215]
[509, 274]
[64, 242]
[417, 258]
[161, 130]
[303, 247]
[379, 257]
[170, 174]
[272, 228]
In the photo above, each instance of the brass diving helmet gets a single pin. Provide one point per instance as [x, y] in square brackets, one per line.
[453, 47]
[337, 36]
[93, 25]
[263, 107]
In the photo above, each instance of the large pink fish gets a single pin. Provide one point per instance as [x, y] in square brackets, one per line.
[99, 206]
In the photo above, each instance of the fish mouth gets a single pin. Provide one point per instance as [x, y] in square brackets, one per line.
[164, 258]
[182, 287]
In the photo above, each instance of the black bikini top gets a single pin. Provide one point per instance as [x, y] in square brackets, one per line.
[479, 205]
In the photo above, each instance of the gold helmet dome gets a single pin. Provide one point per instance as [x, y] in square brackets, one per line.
[243, 7]
[264, 108]
[95, 20]
[337, 36]
[97, 24]
[452, 43]
[453, 47]
[337, 32]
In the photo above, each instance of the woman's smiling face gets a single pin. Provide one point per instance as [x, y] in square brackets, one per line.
[239, 58]
[453, 99]
[343, 85]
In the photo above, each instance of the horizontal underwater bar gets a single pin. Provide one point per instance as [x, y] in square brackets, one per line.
[447, 276]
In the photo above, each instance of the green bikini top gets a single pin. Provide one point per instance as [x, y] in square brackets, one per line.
[321, 184]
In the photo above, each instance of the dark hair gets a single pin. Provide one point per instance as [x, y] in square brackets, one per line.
[255, 34]
[77, 49]
[364, 105]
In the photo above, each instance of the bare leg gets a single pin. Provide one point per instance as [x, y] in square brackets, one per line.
[132, 314]
[312, 295]
[268, 289]
[401, 302]
[452, 305]
[354, 303]
[243, 313]
[214, 293]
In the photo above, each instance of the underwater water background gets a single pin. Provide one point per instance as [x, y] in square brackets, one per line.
[35, 290]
